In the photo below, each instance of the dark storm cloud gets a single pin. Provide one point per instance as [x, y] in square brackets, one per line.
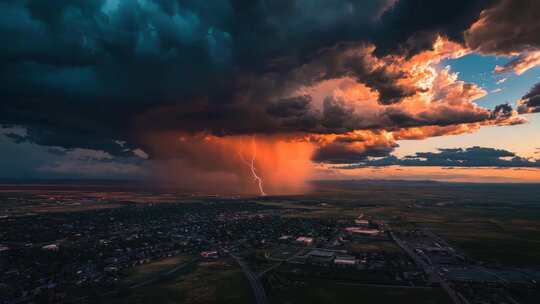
[385, 83]
[336, 114]
[457, 157]
[380, 78]
[530, 103]
[84, 66]
[343, 153]
[16, 138]
[339, 117]
[442, 116]
[23, 159]
[293, 106]
[412, 26]
[354, 60]
[83, 74]
[510, 26]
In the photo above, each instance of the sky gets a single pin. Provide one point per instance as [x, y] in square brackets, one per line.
[264, 96]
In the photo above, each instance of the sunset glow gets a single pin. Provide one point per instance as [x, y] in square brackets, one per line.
[176, 95]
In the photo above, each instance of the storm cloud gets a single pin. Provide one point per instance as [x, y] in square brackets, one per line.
[113, 75]
[508, 28]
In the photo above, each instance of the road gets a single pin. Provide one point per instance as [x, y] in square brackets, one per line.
[430, 270]
[262, 273]
[258, 289]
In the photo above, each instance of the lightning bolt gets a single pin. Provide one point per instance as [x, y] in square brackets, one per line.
[251, 166]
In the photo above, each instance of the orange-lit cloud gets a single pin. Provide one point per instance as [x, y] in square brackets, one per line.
[521, 63]
[183, 89]
[356, 124]
[509, 28]
[341, 109]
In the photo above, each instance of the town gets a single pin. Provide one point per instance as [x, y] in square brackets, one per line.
[60, 257]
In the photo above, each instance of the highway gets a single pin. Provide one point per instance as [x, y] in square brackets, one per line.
[262, 273]
[430, 271]
[258, 289]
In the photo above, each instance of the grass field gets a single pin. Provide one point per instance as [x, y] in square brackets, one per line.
[148, 271]
[330, 293]
[205, 282]
[490, 222]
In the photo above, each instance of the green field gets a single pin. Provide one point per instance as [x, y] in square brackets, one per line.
[149, 271]
[331, 293]
[489, 222]
[204, 282]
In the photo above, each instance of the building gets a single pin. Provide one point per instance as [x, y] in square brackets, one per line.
[318, 256]
[51, 247]
[362, 230]
[361, 222]
[209, 254]
[345, 260]
[305, 240]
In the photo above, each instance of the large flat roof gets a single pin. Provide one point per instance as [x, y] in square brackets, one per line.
[322, 253]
